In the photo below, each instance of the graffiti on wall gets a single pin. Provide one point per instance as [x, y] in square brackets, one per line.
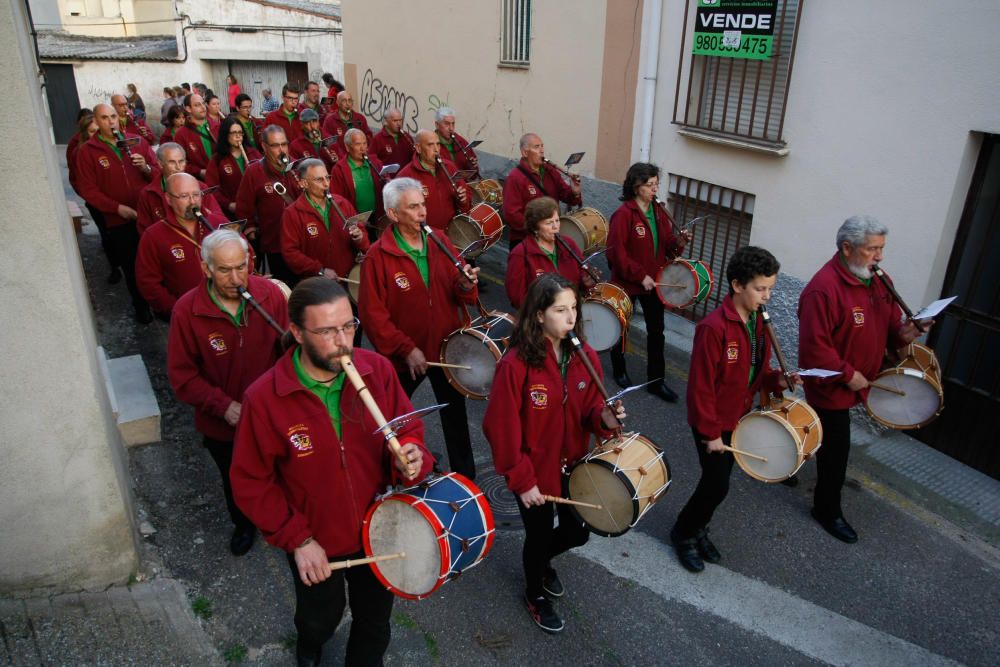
[377, 96]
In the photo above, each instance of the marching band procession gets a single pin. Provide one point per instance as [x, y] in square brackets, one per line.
[313, 274]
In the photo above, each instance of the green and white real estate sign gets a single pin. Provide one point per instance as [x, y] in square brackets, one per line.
[735, 28]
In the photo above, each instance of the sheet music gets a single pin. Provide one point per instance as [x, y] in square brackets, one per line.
[933, 309]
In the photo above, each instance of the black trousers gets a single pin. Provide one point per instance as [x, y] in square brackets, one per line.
[319, 608]
[124, 240]
[652, 312]
[543, 542]
[221, 452]
[102, 228]
[831, 462]
[454, 421]
[713, 486]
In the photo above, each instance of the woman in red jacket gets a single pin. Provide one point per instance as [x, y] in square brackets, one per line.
[729, 365]
[174, 121]
[229, 161]
[543, 407]
[640, 243]
[542, 253]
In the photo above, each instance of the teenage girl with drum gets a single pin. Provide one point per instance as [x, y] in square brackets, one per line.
[542, 253]
[729, 365]
[543, 408]
[640, 242]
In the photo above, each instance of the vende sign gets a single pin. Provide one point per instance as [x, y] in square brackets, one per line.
[735, 28]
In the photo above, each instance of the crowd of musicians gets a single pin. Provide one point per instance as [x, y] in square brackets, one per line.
[210, 227]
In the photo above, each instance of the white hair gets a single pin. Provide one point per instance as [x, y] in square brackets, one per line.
[216, 240]
[857, 228]
[443, 112]
[392, 193]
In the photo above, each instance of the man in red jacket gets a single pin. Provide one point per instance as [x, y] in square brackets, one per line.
[309, 462]
[444, 200]
[456, 147]
[168, 263]
[287, 115]
[196, 136]
[127, 122]
[218, 345]
[310, 144]
[533, 178]
[393, 144]
[345, 118]
[847, 320]
[409, 299]
[109, 179]
[310, 100]
[356, 178]
[730, 363]
[261, 202]
[153, 205]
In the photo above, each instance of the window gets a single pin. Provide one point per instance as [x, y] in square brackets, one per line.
[738, 98]
[515, 33]
[717, 237]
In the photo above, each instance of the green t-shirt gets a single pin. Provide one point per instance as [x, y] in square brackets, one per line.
[206, 137]
[651, 219]
[752, 330]
[112, 145]
[248, 132]
[323, 212]
[553, 256]
[327, 392]
[449, 146]
[419, 257]
[236, 319]
[364, 186]
[241, 163]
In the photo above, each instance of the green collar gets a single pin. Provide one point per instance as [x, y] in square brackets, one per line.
[237, 320]
[867, 282]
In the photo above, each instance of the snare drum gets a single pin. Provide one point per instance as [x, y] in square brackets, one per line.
[606, 311]
[482, 223]
[787, 434]
[684, 282]
[587, 227]
[626, 475]
[480, 346]
[918, 379]
[444, 525]
[488, 191]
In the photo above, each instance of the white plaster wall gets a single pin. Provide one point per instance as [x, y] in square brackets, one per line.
[64, 507]
[884, 100]
[445, 52]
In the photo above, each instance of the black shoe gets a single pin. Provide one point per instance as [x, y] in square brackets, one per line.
[706, 548]
[242, 540]
[544, 614]
[687, 552]
[663, 391]
[838, 527]
[115, 276]
[792, 481]
[144, 315]
[551, 585]
[623, 380]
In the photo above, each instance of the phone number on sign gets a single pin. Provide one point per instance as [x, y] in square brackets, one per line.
[707, 42]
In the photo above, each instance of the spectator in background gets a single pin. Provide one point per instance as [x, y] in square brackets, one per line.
[168, 103]
[270, 104]
[178, 96]
[333, 87]
[232, 90]
[186, 87]
[134, 100]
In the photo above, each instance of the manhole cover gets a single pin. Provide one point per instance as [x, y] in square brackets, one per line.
[501, 500]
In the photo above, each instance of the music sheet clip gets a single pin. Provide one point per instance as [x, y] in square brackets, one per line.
[474, 143]
[817, 373]
[465, 174]
[401, 420]
[128, 142]
[933, 309]
[360, 220]
[388, 170]
[574, 158]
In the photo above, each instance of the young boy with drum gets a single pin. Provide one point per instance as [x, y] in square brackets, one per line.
[543, 407]
[729, 366]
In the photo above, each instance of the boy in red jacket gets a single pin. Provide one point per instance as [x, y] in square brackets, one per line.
[729, 365]
[543, 407]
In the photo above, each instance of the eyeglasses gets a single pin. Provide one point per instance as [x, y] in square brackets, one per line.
[187, 196]
[319, 179]
[291, 97]
[236, 133]
[330, 333]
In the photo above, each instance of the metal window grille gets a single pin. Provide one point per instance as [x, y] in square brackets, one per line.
[716, 238]
[737, 97]
[515, 32]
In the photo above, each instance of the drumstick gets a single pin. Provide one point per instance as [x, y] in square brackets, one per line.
[747, 454]
[343, 564]
[669, 285]
[366, 397]
[348, 280]
[441, 364]
[567, 501]
[883, 387]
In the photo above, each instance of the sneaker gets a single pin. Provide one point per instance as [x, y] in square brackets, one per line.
[544, 614]
[551, 585]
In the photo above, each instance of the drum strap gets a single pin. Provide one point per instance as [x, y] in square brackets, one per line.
[531, 177]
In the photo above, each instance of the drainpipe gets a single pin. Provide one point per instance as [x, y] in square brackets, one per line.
[651, 13]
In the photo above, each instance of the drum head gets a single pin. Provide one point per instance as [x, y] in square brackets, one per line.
[396, 526]
[464, 348]
[462, 231]
[597, 483]
[570, 227]
[920, 404]
[766, 436]
[678, 273]
[601, 325]
[354, 288]
[705, 280]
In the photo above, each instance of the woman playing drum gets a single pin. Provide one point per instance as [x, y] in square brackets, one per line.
[729, 365]
[542, 253]
[542, 409]
[640, 242]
